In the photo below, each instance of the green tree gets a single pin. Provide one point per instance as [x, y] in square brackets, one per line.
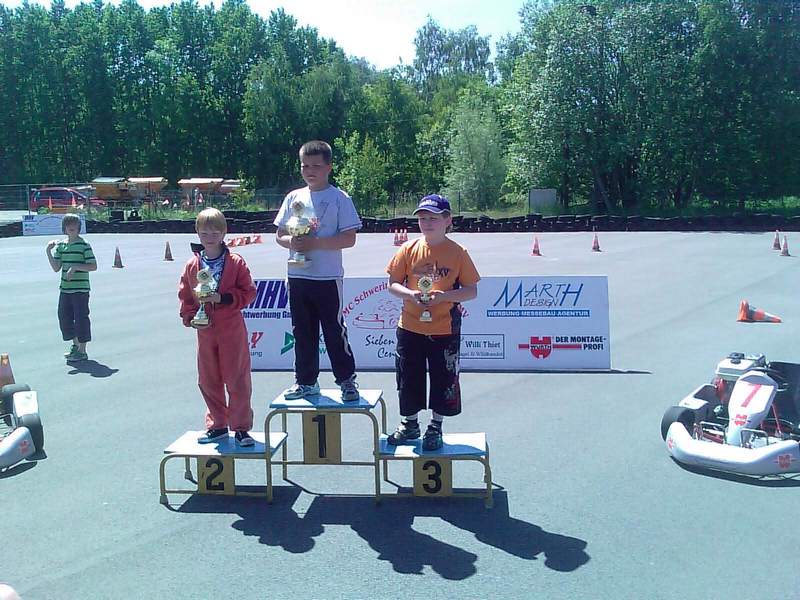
[477, 168]
[362, 173]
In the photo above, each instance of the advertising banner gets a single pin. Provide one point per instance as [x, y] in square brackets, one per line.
[515, 323]
[49, 224]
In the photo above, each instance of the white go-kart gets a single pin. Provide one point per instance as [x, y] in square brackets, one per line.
[747, 421]
[21, 434]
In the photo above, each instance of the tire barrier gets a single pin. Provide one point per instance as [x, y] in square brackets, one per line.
[261, 222]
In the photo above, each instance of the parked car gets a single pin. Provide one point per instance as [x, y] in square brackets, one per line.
[60, 197]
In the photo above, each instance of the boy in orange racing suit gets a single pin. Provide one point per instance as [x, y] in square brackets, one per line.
[223, 356]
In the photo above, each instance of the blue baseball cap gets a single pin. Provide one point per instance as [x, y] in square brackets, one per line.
[433, 203]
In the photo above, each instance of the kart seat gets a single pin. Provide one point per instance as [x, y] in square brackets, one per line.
[788, 401]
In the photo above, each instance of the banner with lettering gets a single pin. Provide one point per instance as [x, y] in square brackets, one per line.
[515, 323]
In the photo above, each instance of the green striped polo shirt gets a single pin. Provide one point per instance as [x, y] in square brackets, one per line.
[74, 253]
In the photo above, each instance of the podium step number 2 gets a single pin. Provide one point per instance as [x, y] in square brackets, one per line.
[216, 475]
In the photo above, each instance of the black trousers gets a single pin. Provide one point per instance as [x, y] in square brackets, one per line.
[73, 316]
[313, 304]
[437, 356]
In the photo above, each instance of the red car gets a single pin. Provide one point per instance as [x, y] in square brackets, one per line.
[48, 197]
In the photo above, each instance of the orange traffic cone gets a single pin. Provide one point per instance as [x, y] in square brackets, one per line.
[397, 240]
[6, 374]
[785, 249]
[167, 253]
[117, 259]
[748, 314]
[776, 243]
[596, 244]
[535, 250]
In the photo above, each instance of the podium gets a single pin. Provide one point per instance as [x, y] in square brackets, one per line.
[321, 420]
[322, 431]
[433, 469]
[215, 462]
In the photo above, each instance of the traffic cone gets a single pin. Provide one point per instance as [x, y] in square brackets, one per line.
[748, 314]
[6, 374]
[405, 235]
[168, 253]
[785, 249]
[397, 241]
[117, 260]
[535, 250]
[596, 244]
[776, 243]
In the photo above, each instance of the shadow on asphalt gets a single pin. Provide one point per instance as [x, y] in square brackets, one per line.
[92, 367]
[775, 481]
[388, 529]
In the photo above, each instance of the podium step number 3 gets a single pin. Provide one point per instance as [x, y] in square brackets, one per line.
[433, 477]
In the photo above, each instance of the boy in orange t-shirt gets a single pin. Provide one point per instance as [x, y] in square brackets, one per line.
[429, 331]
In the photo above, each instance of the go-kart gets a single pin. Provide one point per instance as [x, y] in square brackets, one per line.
[747, 421]
[21, 434]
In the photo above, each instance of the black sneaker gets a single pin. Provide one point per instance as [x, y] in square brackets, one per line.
[407, 430]
[243, 439]
[213, 435]
[433, 438]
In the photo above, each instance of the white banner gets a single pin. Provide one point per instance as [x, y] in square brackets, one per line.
[49, 224]
[515, 323]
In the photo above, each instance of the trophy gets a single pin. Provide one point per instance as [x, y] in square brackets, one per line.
[205, 287]
[302, 222]
[425, 284]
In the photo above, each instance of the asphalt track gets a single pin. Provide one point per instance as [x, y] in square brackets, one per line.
[590, 505]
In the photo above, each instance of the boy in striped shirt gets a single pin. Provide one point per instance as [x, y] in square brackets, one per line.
[75, 259]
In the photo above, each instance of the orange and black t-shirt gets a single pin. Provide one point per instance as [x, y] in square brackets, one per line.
[450, 266]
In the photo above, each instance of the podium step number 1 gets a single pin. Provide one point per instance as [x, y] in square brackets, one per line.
[322, 438]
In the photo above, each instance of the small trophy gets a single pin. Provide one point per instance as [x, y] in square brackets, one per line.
[425, 284]
[205, 287]
[302, 222]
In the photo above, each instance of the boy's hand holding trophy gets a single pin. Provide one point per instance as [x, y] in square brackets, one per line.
[205, 288]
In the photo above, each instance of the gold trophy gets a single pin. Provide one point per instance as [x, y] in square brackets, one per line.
[425, 284]
[302, 222]
[206, 286]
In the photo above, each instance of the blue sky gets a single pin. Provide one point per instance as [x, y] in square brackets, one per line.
[382, 31]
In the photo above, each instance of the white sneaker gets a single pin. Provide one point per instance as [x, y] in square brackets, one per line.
[298, 390]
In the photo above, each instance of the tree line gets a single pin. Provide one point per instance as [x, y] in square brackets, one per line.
[623, 104]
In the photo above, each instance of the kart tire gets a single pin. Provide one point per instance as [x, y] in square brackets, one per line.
[34, 425]
[7, 398]
[677, 414]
